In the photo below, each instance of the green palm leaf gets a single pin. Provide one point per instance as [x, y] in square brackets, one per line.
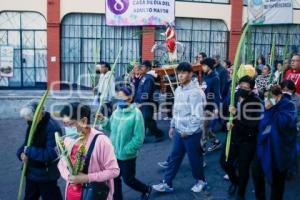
[35, 121]
[63, 152]
[107, 86]
[233, 84]
[272, 60]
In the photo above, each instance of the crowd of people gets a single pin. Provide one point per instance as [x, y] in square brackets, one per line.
[263, 140]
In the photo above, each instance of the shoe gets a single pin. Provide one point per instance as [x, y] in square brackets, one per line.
[199, 186]
[232, 189]
[162, 187]
[163, 164]
[204, 164]
[226, 177]
[214, 146]
[146, 196]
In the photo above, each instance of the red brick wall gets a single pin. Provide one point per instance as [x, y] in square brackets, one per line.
[53, 42]
[236, 26]
[148, 39]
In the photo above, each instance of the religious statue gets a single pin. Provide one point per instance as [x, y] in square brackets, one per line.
[171, 47]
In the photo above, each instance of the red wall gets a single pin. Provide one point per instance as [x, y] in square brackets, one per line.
[236, 26]
[53, 42]
[148, 39]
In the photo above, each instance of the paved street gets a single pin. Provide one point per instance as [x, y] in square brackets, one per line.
[12, 134]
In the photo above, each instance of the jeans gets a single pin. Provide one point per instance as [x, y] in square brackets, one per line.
[127, 173]
[208, 135]
[191, 146]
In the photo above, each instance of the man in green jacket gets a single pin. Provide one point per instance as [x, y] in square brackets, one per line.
[127, 133]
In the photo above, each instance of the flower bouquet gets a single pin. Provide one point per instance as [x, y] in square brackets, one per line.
[77, 156]
[75, 163]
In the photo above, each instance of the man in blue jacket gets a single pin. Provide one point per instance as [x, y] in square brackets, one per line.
[211, 86]
[41, 157]
[144, 99]
[222, 73]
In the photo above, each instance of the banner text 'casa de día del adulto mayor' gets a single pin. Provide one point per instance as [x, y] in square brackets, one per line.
[139, 12]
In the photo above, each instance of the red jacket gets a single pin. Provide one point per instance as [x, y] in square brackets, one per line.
[294, 75]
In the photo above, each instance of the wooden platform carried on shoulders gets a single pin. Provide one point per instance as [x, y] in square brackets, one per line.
[171, 70]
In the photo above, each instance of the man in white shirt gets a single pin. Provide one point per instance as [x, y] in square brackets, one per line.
[105, 88]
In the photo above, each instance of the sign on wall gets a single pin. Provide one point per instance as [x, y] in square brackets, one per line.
[6, 61]
[270, 12]
[139, 12]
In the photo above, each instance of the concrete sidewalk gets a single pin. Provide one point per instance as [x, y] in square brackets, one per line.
[12, 100]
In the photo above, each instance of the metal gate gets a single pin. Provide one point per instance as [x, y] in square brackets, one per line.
[26, 33]
[287, 36]
[86, 40]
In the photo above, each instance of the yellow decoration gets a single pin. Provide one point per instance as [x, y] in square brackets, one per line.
[245, 70]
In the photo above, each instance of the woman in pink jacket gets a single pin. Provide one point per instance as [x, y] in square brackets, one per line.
[103, 166]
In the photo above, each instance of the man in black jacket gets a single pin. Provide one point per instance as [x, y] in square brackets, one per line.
[247, 115]
[145, 101]
[41, 157]
[211, 86]
[222, 73]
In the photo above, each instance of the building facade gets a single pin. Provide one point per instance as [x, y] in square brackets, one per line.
[59, 41]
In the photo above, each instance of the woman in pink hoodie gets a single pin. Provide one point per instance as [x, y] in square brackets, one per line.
[103, 166]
